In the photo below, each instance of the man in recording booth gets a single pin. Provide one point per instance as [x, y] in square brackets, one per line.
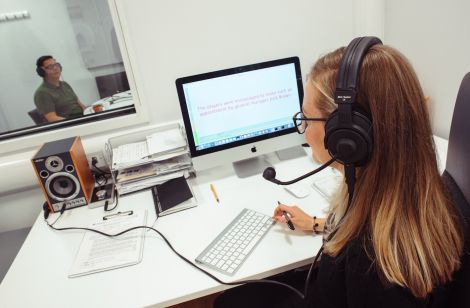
[55, 99]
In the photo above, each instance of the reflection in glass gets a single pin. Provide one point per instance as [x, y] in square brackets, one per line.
[55, 99]
[89, 83]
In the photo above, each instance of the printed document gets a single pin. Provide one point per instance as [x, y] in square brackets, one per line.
[130, 153]
[100, 253]
[158, 146]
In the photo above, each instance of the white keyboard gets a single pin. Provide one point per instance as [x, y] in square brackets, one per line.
[230, 248]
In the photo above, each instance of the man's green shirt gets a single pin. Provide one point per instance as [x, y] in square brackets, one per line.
[61, 100]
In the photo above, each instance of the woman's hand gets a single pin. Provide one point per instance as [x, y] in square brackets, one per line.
[299, 218]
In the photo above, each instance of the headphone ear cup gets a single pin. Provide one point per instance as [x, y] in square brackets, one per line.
[350, 145]
[40, 71]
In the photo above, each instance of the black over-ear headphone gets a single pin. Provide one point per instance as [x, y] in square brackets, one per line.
[348, 130]
[40, 71]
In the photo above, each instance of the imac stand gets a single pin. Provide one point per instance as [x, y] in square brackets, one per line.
[251, 166]
[291, 153]
[256, 165]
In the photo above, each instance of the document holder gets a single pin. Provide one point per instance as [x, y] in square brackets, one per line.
[146, 158]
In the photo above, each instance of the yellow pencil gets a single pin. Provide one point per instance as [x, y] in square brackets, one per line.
[214, 193]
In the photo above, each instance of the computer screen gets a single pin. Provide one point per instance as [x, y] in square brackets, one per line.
[239, 108]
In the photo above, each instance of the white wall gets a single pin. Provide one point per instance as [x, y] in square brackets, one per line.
[47, 31]
[175, 38]
[433, 35]
[168, 39]
[93, 27]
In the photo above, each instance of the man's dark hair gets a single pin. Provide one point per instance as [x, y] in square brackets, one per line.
[41, 60]
[39, 63]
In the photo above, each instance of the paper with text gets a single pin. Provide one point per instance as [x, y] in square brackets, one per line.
[100, 253]
[130, 153]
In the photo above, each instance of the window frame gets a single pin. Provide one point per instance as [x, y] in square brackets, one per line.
[32, 137]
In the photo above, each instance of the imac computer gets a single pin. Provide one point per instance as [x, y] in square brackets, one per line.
[236, 115]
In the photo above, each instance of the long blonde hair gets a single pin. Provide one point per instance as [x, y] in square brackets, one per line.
[401, 209]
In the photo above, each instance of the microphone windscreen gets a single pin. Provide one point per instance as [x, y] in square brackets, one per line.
[269, 173]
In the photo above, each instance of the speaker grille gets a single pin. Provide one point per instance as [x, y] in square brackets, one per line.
[62, 186]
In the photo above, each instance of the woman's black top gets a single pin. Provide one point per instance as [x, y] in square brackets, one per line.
[350, 280]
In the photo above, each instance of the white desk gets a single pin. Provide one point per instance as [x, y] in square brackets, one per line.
[118, 100]
[38, 276]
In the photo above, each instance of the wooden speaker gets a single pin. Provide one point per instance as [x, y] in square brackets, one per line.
[64, 174]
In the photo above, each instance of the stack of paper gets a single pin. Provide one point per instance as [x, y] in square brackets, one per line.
[144, 176]
[162, 156]
[158, 146]
[165, 142]
[149, 182]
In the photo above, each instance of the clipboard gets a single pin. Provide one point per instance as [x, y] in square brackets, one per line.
[99, 253]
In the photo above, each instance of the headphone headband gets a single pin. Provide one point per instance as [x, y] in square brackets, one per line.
[346, 81]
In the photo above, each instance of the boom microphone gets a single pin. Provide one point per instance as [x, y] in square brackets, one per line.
[270, 174]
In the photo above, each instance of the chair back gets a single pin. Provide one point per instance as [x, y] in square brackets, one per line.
[37, 117]
[112, 84]
[458, 151]
[457, 177]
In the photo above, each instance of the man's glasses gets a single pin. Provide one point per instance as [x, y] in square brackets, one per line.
[50, 67]
[300, 121]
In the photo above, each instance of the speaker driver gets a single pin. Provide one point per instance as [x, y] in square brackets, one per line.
[54, 163]
[62, 186]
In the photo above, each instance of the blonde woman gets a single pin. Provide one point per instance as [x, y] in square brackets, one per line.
[400, 243]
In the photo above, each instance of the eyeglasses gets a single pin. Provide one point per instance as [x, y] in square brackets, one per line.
[300, 121]
[52, 66]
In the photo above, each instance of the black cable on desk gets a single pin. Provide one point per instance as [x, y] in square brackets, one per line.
[303, 296]
[268, 281]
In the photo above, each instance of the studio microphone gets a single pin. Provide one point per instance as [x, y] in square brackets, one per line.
[270, 174]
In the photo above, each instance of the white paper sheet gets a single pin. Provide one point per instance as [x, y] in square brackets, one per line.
[129, 153]
[100, 253]
[169, 140]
